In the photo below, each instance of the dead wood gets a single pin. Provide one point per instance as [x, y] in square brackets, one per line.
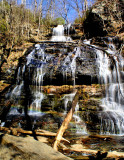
[40, 132]
[113, 154]
[65, 123]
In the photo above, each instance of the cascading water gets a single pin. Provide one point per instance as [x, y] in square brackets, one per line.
[80, 125]
[69, 63]
[42, 66]
[38, 76]
[67, 28]
[68, 98]
[112, 116]
[58, 34]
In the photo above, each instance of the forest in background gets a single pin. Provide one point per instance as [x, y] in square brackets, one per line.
[18, 20]
[33, 21]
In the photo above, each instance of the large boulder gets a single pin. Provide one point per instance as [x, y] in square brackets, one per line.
[105, 18]
[94, 26]
[28, 148]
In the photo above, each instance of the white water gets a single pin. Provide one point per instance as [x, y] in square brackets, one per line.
[38, 78]
[79, 123]
[112, 117]
[58, 34]
[16, 92]
[69, 64]
[73, 63]
[67, 28]
[36, 104]
[67, 98]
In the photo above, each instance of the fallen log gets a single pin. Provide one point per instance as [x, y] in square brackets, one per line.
[18, 131]
[65, 123]
[113, 154]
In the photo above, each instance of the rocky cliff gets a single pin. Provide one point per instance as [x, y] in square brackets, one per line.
[105, 18]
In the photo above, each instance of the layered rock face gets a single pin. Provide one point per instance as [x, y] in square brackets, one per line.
[61, 64]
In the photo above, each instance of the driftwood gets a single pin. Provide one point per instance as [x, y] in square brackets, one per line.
[65, 123]
[40, 132]
[17, 131]
[113, 154]
[94, 153]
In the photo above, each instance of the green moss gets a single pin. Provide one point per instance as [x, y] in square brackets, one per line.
[3, 27]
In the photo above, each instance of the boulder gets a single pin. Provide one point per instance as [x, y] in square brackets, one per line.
[105, 18]
[28, 148]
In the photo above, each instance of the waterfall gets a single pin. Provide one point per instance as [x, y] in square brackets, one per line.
[69, 64]
[67, 28]
[38, 59]
[79, 123]
[43, 67]
[58, 34]
[68, 98]
[112, 116]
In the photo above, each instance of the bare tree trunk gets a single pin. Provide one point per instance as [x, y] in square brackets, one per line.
[65, 123]
[85, 5]
[35, 9]
[63, 10]
[40, 15]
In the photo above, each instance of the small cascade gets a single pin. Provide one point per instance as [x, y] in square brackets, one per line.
[67, 28]
[112, 116]
[68, 98]
[77, 53]
[38, 59]
[36, 104]
[111, 47]
[35, 64]
[18, 76]
[69, 64]
[58, 34]
[17, 90]
[80, 125]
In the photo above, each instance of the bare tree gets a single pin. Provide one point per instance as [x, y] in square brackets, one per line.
[77, 5]
[35, 9]
[40, 14]
[63, 9]
[80, 6]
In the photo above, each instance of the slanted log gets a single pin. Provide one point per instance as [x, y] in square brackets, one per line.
[65, 123]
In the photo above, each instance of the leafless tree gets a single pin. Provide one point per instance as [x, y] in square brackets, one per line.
[40, 14]
[63, 8]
